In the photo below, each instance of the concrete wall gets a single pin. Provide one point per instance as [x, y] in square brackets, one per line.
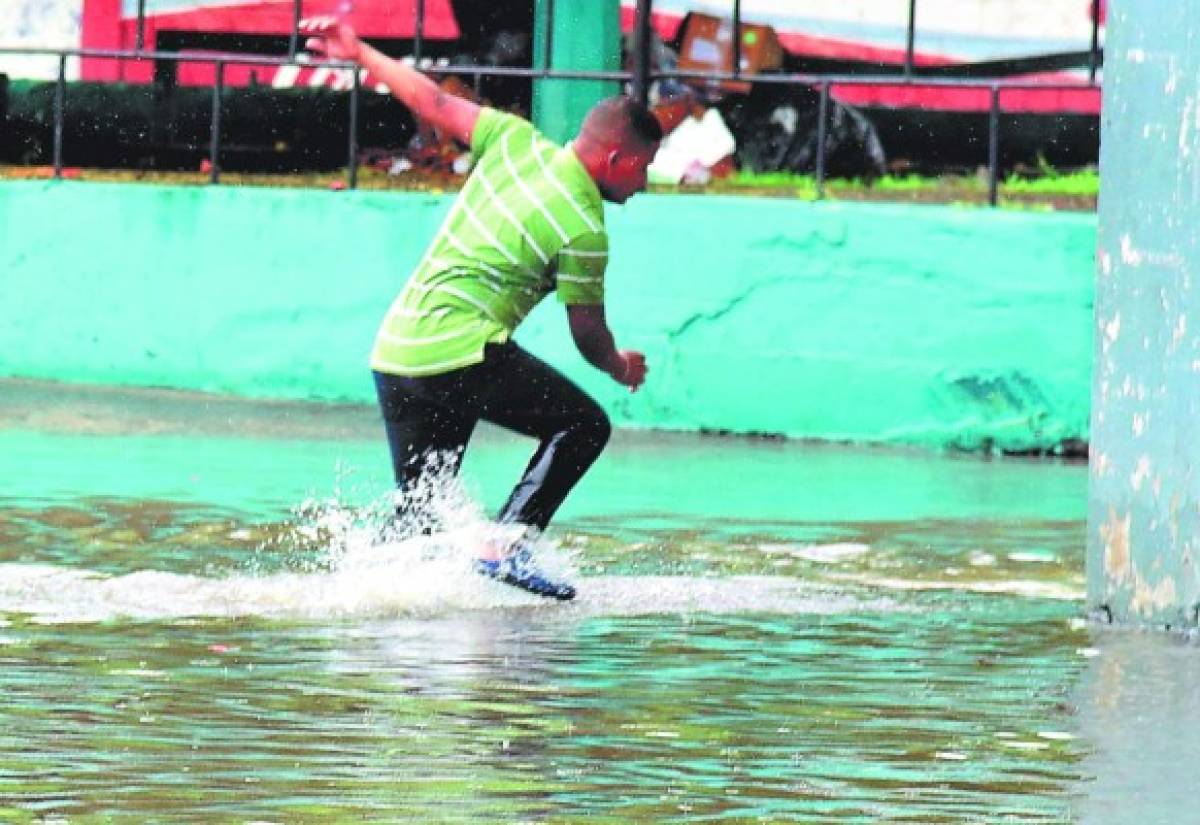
[886, 324]
[1144, 517]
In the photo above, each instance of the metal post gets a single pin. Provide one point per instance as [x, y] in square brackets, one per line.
[1094, 56]
[911, 40]
[737, 37]
[353, 160]
[60, 100]
[994, 148]
[214, 147]
[641, 56]
[419, 34]
[294, 40]
[822, 137]
[548, 50]
[141, 25]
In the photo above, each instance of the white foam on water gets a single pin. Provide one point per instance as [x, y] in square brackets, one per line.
[820, 553]
[398, 587]
[833, 553]
[372, 568]
[416, 576]
[1010, 587]
[1034, 556]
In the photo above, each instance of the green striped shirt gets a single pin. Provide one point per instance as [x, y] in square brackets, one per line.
[529, 221]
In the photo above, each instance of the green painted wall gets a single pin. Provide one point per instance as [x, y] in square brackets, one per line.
[885, 324]
[1144, 514]
[586, 37]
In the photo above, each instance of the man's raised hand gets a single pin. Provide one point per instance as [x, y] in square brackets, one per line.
[335, 39]
[330, 37]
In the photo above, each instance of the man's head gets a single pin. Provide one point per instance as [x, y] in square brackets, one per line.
[618, 140]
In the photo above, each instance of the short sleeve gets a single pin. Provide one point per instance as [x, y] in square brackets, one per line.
[490, 127]
[580, 271]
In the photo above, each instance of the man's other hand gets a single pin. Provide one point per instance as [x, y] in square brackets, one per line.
[633, 371]
[330, 37]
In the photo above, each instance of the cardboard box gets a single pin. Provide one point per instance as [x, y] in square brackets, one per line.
[707, 46]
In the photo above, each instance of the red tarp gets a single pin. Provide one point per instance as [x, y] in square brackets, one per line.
[104, 27]
[371, 18]
[1080, 100]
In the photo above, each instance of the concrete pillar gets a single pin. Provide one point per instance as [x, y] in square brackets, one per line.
[585, 36]
[1144, 498]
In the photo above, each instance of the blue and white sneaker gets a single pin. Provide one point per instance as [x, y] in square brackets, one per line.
[519, 570]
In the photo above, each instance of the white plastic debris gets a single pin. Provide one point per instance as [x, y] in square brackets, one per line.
[694, 147]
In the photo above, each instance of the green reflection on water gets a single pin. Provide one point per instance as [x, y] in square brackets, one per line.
[497, 718]
[648, 478]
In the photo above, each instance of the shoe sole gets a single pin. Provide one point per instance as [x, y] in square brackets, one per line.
[530, 584]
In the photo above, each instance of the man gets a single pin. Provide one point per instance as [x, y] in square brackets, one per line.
[528, 221]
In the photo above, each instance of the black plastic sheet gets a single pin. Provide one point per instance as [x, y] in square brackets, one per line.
[777, 131]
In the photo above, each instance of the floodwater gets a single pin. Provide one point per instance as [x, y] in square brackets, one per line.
[200, 621]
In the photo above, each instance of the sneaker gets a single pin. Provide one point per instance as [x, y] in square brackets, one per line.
[519, 571]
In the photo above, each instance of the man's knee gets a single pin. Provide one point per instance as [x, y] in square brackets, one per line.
[597, 428]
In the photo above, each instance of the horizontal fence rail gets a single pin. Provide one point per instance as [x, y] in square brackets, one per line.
[639, 79]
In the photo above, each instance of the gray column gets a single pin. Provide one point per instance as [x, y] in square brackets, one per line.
[1144, 501]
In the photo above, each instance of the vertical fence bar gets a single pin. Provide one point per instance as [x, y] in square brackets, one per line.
[294, 39]
[737, 37]
[1094, 56]
[641, 57]
[214, 146]
[548, 38]
[910, 41]
[822, 137]
[419, 33]
[994, 148]
[141, 25]
[352, 165]
[60, 102]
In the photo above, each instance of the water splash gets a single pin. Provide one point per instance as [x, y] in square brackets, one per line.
[389, 588]
[363, 553]
[396, 555]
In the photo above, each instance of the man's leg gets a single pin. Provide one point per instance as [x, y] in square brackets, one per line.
[529, 396]
[424, 433]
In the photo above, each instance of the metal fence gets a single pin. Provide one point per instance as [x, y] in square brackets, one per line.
[639, 79]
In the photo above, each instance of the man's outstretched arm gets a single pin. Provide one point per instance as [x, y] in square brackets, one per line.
[451, 115]
[589, 329]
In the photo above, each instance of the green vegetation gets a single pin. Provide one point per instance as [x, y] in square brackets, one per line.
[1077, 183]
[1044, 189]
[1048, 181]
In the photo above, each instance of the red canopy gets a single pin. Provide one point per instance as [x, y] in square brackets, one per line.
[1081, 99]
[371, 18]
[106, 27]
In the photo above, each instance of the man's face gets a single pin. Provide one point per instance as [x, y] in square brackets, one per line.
[625, 174]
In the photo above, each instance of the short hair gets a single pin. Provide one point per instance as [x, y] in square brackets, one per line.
[621, 118]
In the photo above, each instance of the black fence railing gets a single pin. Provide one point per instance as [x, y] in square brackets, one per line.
[639, 78]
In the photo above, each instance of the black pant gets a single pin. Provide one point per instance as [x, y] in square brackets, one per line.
[435, 415]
